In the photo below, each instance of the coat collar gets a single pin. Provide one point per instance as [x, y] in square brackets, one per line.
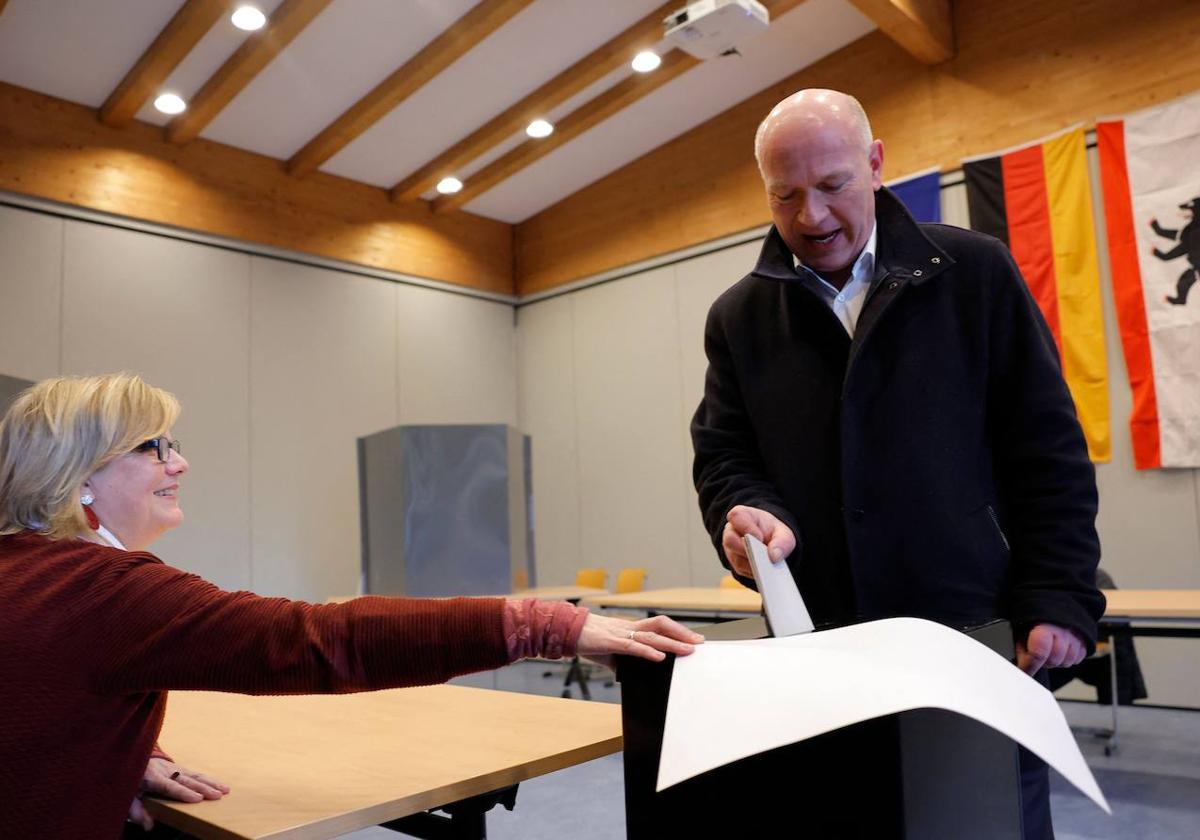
[903, 250]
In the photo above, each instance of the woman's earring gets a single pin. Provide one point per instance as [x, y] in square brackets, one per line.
[86, 498]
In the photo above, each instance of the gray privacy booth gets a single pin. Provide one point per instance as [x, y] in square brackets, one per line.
[446, 510]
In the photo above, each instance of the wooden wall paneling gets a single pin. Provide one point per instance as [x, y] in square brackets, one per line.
[255, 53]
[459, 39]
[57, 150]
[1022, 69]
[31, 262]
[591, 68]
[178, 37]
[924, 28]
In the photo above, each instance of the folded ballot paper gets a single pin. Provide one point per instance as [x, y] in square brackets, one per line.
[783, 690]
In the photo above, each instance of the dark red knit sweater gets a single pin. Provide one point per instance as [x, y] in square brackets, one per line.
[91, 637]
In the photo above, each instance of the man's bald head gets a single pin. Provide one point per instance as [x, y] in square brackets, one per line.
[821, 168]
[814, 108]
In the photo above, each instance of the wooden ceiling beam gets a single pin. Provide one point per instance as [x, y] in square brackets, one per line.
[255, 53]
[613, 100]
[459, 39]
[923, 28]
[193, 20]
[588, 115]
[587, 71]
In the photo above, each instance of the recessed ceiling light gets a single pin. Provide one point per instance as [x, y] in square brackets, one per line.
[248, 18]
[646, 60]
[170, 103]
[449, 185]
[539, 128]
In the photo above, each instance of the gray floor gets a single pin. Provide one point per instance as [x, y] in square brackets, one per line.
[1152, 782]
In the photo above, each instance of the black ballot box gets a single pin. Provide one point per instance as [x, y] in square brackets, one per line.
[925, 774]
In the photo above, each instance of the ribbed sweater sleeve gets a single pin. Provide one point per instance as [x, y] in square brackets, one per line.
[157, 628]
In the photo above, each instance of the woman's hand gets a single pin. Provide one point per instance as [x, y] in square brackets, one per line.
[169, 780]
[604, 636]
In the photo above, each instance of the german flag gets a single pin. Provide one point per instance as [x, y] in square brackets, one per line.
[1037, 199]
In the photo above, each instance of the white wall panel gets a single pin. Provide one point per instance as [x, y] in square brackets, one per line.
[699, 282]
[177, 313]
[546, 390]
[457, 358]
[323, 373]
[30, 290]
[632, 460]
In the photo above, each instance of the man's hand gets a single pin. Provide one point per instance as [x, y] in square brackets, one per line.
[171, 781]
[742, 520]
[1051, 646]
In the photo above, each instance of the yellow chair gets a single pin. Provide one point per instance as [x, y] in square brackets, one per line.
[730, 582]
[594, 578]
[630, 580]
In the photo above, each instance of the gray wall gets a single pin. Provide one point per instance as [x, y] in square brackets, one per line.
[279, 366]
[608, 377]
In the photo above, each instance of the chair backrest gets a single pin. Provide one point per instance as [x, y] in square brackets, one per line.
[631, 580]
[730, 582]
[595, 578]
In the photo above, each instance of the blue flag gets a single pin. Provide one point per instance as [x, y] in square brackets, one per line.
[921, 194]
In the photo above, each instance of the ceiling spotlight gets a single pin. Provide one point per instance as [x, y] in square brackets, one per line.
[248, 18]
[539, 128]
[170, 103]
[646, 60]
[449, 185]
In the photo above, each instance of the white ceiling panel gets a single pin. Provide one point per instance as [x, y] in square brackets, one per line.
[78, 50]
[349, 48]
[808, 33]
[198, 66]
[526, 52]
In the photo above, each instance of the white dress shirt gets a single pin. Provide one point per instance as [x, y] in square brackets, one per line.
[847, 302]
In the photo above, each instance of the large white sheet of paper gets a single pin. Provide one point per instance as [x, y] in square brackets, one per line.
[774, 692]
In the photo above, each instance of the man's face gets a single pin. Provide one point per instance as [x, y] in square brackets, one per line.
[821, 187]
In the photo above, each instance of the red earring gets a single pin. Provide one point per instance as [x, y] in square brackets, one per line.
[86, 498]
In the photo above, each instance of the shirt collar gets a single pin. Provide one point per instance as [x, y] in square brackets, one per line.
[110, 538]
[863, 268]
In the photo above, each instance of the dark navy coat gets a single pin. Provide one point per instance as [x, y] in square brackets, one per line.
[934, 465]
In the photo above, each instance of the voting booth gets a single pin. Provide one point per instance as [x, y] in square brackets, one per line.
[925, 773]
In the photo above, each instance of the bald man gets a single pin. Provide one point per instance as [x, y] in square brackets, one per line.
[884, 408]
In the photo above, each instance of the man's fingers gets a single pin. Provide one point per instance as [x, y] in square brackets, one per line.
[782, 543]
[735, 552]
[746, 521]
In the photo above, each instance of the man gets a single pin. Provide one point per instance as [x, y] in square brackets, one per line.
[884, 408]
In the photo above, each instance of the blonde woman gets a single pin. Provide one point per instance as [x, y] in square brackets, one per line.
[94, 629]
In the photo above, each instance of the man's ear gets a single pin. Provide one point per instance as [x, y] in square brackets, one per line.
[876, 161]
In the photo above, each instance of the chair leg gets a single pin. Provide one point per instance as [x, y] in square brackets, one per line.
[1110, 746]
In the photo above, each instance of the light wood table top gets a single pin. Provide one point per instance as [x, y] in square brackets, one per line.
[319, 766]
[1153, 603]
[560, 593]
[684, 599]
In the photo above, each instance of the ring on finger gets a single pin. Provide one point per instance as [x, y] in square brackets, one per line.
[175, 775]
[632, 634]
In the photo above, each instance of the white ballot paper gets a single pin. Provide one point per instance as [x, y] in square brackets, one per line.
[730, 700]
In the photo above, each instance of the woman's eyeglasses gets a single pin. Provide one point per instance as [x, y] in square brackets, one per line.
[161, 446]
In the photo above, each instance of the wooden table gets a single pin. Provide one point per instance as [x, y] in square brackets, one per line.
[319, 766]
[698, 602]
[574, 594]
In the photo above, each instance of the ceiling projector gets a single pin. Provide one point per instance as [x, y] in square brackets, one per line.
[708, 28]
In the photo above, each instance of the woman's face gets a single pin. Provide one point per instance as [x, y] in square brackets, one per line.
[137, 496]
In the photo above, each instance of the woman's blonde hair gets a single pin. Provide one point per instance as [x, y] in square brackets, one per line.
[57, 433]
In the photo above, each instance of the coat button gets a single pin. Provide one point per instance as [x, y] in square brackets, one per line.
[918, 273]
[857, 514]
[936, 260]
[892, 286]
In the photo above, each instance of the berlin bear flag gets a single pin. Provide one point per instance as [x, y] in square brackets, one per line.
[1037, 199]
[1150, 172]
